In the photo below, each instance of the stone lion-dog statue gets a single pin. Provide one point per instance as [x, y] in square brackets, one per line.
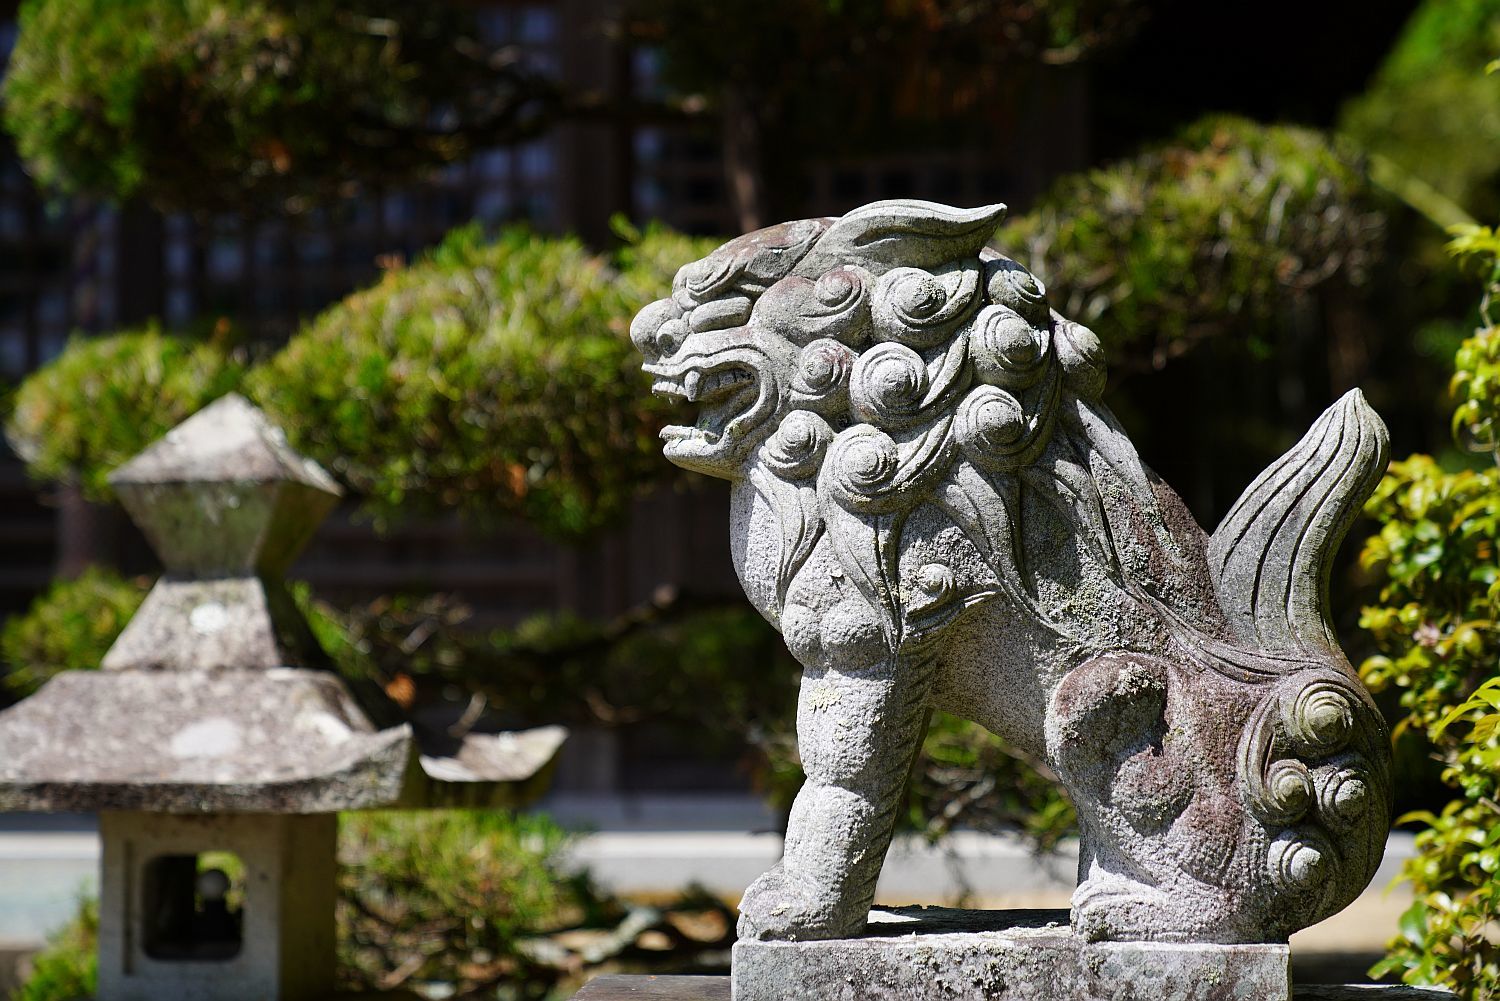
[934, 507]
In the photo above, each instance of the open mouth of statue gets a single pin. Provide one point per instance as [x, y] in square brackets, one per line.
[723, 392]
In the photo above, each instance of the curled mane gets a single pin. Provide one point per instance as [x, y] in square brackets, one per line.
[947, 381]
[899, 361]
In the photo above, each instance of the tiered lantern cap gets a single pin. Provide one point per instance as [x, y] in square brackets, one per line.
[216, 697]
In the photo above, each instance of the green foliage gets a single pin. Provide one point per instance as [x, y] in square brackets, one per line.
[1435, 622]
[1437, 628]
[67, 969]
[493, 377]
[1476, 379]
[1431, 111]
[105, 398]
[966, 777]
[68, 628]
[452, 897]
[1211, 234]
[213, 104]
[1446, 936]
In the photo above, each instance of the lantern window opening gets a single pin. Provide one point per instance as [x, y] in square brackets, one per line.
[193, 906]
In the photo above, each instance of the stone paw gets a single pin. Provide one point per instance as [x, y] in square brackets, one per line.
[1116, 909]
[776, 908]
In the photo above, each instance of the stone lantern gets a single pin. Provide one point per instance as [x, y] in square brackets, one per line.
[217, 743]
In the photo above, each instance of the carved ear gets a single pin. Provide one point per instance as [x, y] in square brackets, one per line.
[902, 232]
[1270, 558]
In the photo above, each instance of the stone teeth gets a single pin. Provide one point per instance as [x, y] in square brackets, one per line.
[727, 377]
[683, 432]
[696, 385]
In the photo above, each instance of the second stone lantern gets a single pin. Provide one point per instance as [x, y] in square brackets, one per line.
[217, 738]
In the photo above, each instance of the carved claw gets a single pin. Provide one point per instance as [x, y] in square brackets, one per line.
[1113, 908]
[776, 907]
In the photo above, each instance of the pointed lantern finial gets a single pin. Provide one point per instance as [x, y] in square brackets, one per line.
[228, 505]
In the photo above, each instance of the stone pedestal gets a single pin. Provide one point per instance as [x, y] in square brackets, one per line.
[626, 988]
[917, 953]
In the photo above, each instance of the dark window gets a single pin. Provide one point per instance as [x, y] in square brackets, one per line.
[192, 906]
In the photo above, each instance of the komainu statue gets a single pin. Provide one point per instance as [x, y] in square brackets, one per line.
[933, 505]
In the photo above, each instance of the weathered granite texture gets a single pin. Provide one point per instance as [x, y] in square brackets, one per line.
[614, 987]
[216, 697]
[924, 954]
[935, 507]
[227, 505]
[1370, 992]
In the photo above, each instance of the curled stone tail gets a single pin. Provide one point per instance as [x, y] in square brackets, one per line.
[1270, 557]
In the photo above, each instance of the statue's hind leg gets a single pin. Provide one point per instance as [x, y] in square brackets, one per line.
[858, 732]
[1118, 748]
[1216, 809]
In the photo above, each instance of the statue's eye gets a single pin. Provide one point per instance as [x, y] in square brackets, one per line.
[669, 337]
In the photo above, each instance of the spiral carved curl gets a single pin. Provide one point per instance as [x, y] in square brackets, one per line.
[921, 308]
[797, 448]
[1309, 770]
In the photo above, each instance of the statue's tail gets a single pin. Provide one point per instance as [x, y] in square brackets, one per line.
[1313, 761]
[1270, 557]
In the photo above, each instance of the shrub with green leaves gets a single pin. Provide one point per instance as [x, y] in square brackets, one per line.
[105, 398]
[1431, 112]
[1434, 624]
[450, 897]
[1437, 627]
[67, 968]
[493, 377]
[1212, 233]
[220, 104]
[68, 628]
[1476, 379]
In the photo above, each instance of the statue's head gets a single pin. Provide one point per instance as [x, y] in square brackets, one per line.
[811, 327]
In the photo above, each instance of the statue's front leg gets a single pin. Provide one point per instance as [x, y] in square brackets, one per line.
[857, 732]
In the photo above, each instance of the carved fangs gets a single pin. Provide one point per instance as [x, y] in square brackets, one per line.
[697, 386]
[729, 396]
